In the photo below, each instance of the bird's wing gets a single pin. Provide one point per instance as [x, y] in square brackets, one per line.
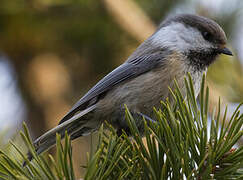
[130, 69]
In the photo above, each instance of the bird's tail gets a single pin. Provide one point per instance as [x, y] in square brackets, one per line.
[76, 126]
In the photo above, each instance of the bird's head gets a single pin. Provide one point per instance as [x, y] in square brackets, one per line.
[199, 39]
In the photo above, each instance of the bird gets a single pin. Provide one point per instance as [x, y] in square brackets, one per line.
[182, 43]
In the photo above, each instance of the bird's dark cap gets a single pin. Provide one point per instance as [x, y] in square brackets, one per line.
[203, 24]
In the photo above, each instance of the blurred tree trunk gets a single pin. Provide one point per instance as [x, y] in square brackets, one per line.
[136, 22]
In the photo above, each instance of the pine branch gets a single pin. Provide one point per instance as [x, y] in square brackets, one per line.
[180, 145]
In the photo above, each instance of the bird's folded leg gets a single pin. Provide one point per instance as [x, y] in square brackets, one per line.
[148, 119]
[137, 116]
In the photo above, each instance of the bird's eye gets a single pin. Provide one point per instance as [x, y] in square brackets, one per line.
[206, 35]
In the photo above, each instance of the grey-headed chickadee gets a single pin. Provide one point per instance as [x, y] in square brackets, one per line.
[183, 43]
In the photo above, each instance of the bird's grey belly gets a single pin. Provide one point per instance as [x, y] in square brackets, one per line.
[141, 94]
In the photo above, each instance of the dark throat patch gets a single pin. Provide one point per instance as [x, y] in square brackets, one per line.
[200, 60]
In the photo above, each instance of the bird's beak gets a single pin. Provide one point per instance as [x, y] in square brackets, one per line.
[226, 51]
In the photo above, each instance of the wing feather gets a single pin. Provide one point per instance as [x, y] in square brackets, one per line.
[130, 69]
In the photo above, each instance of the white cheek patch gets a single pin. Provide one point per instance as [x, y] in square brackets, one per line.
[179, 37]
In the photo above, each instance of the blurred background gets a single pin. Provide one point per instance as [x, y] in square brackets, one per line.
[53, 51]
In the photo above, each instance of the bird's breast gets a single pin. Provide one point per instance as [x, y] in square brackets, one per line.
[145, 91]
